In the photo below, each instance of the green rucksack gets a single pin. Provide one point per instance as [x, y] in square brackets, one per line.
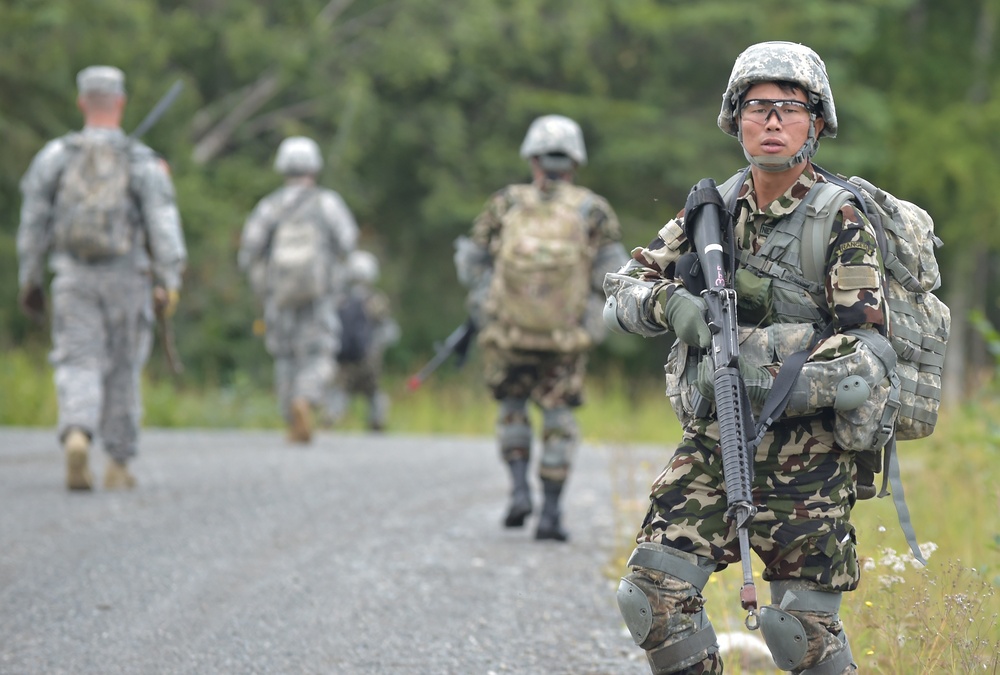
[92, 201]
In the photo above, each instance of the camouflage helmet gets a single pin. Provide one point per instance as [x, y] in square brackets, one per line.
[362, 267]
[298, 156]
[779, 61]
[554, 134]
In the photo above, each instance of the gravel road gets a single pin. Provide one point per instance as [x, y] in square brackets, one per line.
[359, 554]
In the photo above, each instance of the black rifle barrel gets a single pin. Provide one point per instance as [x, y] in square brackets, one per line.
[156, 113]
[731, 402]
[457, 341]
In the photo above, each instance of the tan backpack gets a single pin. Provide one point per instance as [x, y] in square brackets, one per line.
[541, 279]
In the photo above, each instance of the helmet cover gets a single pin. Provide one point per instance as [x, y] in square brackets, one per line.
[362, 267]
[554, 134]
[774, 62]
[297, 156]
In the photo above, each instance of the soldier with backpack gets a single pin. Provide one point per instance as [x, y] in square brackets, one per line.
[293, 248]
[368, 329]
[101, 206]
[534, 264]
[820, 366]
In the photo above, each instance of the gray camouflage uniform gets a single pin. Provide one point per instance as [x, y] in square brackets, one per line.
[303, 340]
[102, 312]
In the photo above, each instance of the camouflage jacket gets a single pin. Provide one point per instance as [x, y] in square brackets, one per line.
[158, 240]
[852, 299]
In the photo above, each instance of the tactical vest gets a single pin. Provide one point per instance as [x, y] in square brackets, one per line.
[794, 256]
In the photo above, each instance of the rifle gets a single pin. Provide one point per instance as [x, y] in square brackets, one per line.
[704, 220]
[457, 343]
[165, 325]
[156, 113]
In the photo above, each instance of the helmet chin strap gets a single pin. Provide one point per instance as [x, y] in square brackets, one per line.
[776, 164]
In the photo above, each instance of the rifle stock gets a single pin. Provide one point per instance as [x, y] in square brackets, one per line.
[458, 342]
[704, 223]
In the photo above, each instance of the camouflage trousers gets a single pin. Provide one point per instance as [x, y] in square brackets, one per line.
[804, 491]
[551, 380]
[303, 341]
[102, 332]
[359, 378]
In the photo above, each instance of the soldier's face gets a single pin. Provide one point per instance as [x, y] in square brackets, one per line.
[778, 135]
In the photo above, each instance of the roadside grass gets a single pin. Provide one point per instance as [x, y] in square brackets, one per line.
[902, 618]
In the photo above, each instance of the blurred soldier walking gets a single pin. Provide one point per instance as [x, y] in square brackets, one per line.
[368, 329]
[293, 248]
[101, 206]
[534, 264]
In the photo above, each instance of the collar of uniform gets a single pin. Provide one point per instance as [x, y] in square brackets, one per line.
[788, 201]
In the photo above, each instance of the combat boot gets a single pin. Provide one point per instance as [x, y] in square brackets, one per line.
[118, 477]
[549, 525]
[300, 426]
[76, 444]
[520, 496]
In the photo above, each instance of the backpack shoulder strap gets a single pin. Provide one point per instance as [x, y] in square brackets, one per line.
[825, 200]
[730, 188]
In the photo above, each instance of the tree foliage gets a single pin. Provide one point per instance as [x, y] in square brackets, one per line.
[420, 107]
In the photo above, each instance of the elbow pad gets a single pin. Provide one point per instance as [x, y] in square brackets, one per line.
[472, 262]
[628, 302]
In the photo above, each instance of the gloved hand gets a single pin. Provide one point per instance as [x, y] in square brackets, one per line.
[165, 301]
[685, 314]
[31, 300]
[758, 380]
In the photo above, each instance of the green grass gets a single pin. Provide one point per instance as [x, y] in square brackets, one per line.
[902, 619]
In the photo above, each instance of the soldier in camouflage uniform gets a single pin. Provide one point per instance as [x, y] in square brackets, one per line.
[303, 338]
[360, 374]
[778, 103]
[103, 296]
[540, 358]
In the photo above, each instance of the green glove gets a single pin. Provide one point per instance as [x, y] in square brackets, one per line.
[685, 314]
[758, 380]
